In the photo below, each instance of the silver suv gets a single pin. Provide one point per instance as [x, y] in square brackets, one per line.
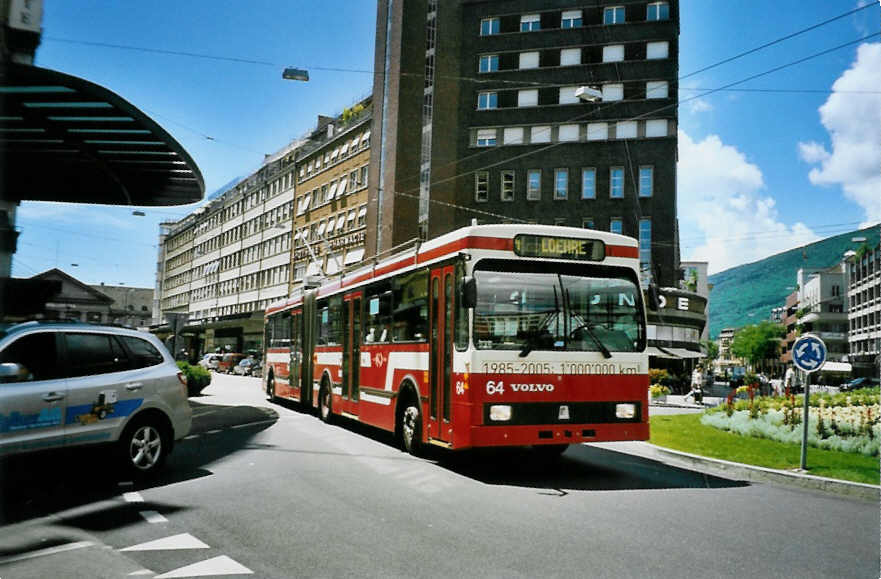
[69, 384]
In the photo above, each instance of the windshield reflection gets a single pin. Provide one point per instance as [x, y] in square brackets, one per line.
[553, 311]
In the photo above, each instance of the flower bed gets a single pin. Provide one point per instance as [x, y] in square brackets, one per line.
[842, 422]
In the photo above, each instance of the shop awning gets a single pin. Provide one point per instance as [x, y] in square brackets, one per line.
[683, 353]
[657, 353]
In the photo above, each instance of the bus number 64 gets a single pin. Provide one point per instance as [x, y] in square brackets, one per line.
[493, 387]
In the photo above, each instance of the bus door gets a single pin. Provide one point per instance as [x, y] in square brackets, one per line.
[296, 361]
[351, 350]
[441, 358]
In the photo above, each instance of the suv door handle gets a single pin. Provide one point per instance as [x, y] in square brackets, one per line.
[134, 386]
[53, 397]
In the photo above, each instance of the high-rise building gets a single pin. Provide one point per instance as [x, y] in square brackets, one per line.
[863, 281]
[548, 111]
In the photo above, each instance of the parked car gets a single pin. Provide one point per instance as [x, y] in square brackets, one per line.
[858, 383]
[228, 362]
[738, 374]
[210, 361]
[70, 384]
[245, 367]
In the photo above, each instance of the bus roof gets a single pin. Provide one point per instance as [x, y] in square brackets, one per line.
[487, 237]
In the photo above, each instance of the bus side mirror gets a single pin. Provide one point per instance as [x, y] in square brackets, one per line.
[469, 293]
[654, 297]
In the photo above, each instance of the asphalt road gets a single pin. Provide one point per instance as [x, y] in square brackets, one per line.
[266, 490]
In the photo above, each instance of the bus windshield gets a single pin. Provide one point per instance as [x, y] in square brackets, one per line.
[557, 310]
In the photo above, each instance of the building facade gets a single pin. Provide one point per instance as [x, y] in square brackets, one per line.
[823, 310]
[330, 219]
[301, 215]
[547, 111]
[863, 275]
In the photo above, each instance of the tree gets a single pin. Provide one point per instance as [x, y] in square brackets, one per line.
[758, 342]
[712, 349]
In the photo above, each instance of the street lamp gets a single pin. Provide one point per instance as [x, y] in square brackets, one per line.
[589, 94]
[295, 74]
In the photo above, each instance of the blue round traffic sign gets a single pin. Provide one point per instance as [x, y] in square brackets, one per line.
[809, 353]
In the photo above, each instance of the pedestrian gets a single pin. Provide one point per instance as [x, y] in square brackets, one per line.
[697, 384]
[788, 380]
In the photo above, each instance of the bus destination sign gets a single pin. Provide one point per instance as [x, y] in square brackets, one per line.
[559, 247]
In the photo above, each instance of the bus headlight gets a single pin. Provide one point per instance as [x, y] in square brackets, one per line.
[625, 411]
[499, 412]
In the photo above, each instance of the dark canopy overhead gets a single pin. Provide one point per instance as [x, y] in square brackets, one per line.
[66, 139]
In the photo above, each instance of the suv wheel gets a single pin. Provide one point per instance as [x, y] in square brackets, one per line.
[144, 446]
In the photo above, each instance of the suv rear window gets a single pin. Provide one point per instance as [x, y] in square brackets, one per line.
[95, 354]
[145, 354]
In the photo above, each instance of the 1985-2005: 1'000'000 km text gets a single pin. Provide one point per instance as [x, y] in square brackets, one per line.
[564, 367]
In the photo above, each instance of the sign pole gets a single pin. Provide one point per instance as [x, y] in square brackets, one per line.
[804, 434]
[808, 355]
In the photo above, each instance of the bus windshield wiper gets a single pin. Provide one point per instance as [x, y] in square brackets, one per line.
[587, 327]
[532, 338]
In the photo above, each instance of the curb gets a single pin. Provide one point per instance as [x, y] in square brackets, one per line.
[752, 473]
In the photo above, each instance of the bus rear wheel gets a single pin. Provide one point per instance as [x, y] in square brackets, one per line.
[325, 411]
[270, 388]
[411, 427]
[549, 450]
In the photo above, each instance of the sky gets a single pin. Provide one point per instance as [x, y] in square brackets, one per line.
[784, 159]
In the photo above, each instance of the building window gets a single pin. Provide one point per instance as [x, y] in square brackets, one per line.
[486, 137]
[489, 26]
[533, 184]
[656, 128]
[655, 50]
[567, 133]
[512, 136]
[528, 60]
[527, 98]
[616, 225]
[658, 11]
[656, 89]
[487, 100]
[507, 186]
[567, 95]
[616, 182]
[613, 92]
[625, 130]
[611, 53]
[530, 22]
[589, 183]
[571, 19]
[541, 134]
[489, 63]
[645, 244]
[613, 15]
[587, 223]
[481, 186]
[597, 131]
[646, 181]
[570, 56]
[561, 183]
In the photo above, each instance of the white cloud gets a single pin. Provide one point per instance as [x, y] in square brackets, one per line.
[724, 218]
[700, 106]
[852, 120]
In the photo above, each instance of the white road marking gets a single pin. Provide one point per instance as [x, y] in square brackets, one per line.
[141, 572]
[222, 565]
[45, 552]
[153, 517]
[174, 542]
[132, 497]
[216, 431]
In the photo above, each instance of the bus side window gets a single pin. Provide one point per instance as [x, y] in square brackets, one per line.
[410, 315]
[379, 309]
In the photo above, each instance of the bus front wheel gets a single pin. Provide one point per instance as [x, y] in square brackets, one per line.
[324, 403]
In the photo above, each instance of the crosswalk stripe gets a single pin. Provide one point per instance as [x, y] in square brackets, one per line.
[181, 541]
[221, 565]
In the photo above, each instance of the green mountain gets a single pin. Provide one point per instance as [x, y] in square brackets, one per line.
[746, 294]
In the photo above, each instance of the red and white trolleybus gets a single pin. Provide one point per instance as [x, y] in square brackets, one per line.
[491, 335]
